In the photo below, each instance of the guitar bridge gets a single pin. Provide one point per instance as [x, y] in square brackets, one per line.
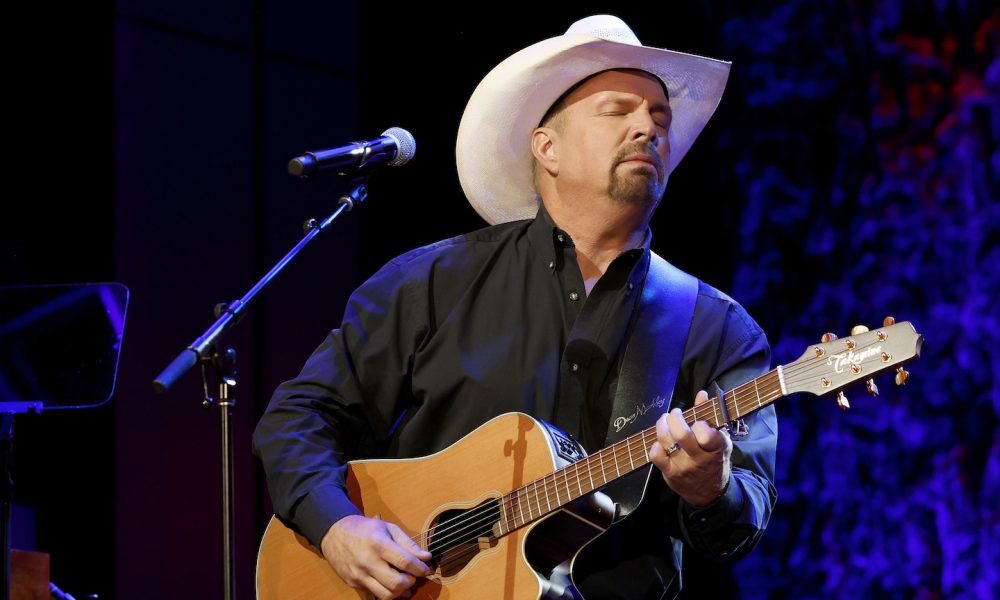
[485, 543]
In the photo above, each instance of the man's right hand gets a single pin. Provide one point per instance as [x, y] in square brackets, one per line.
[370, 554]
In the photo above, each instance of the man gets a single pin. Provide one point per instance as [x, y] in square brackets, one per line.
[565, 148]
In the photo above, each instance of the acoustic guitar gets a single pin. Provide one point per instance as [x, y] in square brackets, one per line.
[505, 510]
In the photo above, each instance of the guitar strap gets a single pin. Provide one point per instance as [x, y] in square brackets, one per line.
[652, 358]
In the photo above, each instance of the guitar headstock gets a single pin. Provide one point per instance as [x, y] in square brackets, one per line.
[836, 363]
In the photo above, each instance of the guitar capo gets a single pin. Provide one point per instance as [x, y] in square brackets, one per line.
[734, 427]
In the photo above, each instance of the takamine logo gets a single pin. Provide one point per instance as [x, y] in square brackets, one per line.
[845, 360]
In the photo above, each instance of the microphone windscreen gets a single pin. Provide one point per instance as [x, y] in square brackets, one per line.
[406, 146]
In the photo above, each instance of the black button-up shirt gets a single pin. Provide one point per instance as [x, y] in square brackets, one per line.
[450, 335]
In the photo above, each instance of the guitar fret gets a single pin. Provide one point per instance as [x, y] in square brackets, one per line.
[517, 508]
[527, 501]
[631, 464]
[503, 514]
[715, 409]
[756, 391]
[618, 471]
[566, 483]
[601, 462]
[537, 501]
[539, 494]
[590, 473]
[579, 480]
[513, 509]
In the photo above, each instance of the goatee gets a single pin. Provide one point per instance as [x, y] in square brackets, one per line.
[636, 185]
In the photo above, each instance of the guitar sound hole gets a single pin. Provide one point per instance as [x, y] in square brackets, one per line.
[457, 536]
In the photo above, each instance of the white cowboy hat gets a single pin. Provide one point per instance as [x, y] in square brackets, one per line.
[494, 138]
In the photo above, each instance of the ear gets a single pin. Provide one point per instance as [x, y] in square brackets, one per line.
[544, 145]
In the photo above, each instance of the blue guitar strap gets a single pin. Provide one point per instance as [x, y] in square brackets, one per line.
[652, 358]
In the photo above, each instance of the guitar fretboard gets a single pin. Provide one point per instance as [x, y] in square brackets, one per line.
[542, 496]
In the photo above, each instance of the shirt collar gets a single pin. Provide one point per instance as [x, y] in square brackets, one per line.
[549, 241]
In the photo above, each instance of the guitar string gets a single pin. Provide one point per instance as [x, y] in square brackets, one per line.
[513, 501]
[455, 554]
[743, 398]
[607, 455]
[793, 375]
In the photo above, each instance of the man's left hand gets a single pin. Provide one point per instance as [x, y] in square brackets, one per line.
[698, 467]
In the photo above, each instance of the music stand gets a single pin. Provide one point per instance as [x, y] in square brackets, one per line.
[59, 349]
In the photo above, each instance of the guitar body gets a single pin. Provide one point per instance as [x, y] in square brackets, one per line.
[502, 455]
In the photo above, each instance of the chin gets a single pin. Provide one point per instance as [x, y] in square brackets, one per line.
[639, 191]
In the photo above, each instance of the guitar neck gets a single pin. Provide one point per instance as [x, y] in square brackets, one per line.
[549, 493]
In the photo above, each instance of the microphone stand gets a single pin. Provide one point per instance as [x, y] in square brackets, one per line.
[222, 365]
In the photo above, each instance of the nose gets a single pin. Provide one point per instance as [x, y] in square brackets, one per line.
[644, 127]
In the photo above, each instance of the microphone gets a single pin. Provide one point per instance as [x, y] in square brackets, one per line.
[395, 147]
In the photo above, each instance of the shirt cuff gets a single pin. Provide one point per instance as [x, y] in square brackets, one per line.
[321, 508]
[723, 511]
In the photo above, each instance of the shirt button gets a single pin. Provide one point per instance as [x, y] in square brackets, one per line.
[561, 238]
[629, 290]
[552, 264]
[574, 367]
[574, 296]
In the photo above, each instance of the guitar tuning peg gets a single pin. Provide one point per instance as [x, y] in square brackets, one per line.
[872, 388]
[888, 321]
[842, 401]
[858, 330]
[902, 376]
[828, 337]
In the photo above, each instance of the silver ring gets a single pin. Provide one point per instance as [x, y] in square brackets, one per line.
[673, 448]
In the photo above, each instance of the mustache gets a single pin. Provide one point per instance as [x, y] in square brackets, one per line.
[640, 149]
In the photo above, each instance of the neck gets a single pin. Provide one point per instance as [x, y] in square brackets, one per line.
[599, 234]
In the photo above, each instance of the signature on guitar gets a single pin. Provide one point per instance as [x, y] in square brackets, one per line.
[640, 409]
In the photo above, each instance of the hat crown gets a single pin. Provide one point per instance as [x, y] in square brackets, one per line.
[608, 27]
